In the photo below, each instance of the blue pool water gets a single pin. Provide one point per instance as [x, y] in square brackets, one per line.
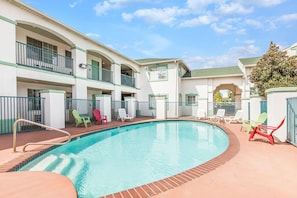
[130, 156]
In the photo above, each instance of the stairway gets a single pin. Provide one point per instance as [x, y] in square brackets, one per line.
[68, 165]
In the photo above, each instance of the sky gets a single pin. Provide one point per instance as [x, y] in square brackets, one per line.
[203, 33]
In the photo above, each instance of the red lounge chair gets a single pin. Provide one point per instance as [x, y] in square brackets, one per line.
[263, 130]
[99, 118]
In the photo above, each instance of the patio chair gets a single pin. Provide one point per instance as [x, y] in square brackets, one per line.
[201, 114]
[80, 119]
[251, 124]
[266, 131]
[123, 115]
[237, 118]
[99, 118]
[219, 116]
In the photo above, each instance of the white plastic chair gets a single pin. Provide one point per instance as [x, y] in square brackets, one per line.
[219, 116]
[237, 118]
[123, 115]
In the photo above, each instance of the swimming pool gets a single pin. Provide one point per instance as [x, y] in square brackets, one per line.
[130, 156]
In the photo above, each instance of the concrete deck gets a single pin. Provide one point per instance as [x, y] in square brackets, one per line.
[253, 168]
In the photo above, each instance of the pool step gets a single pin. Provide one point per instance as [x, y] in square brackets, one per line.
[69, 165]
[63, 164]
[44, 164]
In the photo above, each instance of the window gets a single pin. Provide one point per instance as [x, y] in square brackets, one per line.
[152, 100]
[180, 71]
[191, 99]
[34, 49]
[34, 100]
[158, 72]
[42, 51]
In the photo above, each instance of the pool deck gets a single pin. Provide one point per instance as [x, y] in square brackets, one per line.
[248, 168]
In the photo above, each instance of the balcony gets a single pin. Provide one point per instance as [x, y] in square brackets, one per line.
[99, 74]
[127, 80]
[39, 58]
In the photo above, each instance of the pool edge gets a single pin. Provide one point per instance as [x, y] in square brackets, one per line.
[163, 185]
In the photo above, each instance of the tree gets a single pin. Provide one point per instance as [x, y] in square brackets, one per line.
[218, 97]
[274, 69]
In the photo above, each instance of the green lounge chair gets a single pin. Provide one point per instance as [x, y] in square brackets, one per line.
[251, 124]
[80, 119]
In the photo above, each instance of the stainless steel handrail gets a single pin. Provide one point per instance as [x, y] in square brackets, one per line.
[41, 125]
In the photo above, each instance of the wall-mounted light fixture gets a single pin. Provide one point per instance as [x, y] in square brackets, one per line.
[83, 66]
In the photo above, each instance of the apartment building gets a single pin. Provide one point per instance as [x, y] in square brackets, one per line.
[40, 53]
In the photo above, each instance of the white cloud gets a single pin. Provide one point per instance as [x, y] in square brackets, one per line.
[255, 23]
[74, 3]
[288, 17]
[200, 5]
[102, 7]
[127, 17]
[93, 35]
[234, 8]
[221, 28]
[201, 20]
[165, 16]
[262, 3]
[230, 58]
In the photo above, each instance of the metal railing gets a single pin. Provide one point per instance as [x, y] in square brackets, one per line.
[230, 107]
[41, 125]
[127, 80]
[39, 58]
[83, 106]
[100, 74]
[14, 107]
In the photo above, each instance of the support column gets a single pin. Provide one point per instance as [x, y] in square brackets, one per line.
[54, 108]
[245, 109]
[131, 106]
[79, 90]
[255, 107]
[105, 105]
[160, 108]
[8, 80]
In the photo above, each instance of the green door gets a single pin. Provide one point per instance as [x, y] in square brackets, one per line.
[95, 70]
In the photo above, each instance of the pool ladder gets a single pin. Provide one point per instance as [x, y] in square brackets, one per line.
[41, 125]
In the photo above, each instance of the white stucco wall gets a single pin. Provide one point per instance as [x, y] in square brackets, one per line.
[277, 112]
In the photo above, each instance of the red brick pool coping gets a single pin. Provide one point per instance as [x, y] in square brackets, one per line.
[156, 187]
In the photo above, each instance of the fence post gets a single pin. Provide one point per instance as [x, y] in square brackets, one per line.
[105, 105]
[160, 108]
[54, 108]
[131, 106]
[255, 106]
